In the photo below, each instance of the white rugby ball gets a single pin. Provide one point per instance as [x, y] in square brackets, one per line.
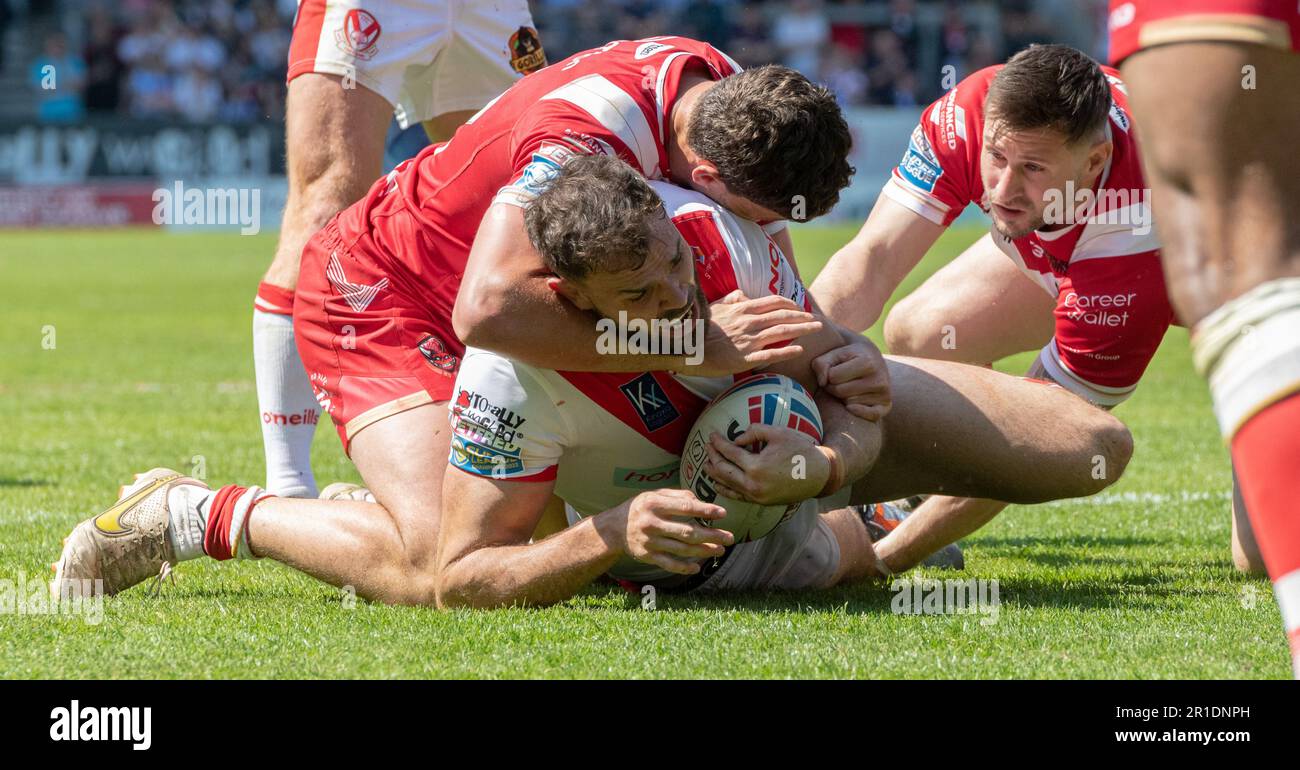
[770, 399]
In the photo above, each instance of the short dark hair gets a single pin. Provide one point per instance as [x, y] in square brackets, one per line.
[595, 216]
[1051, 86]
[774, 135]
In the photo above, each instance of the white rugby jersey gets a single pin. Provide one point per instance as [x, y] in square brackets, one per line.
[604, 437]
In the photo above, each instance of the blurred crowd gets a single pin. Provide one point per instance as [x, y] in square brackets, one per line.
[225, 60]
[195, 60]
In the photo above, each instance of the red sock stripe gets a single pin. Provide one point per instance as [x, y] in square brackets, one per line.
[216, 538]
[1266, 454]
[274, 299]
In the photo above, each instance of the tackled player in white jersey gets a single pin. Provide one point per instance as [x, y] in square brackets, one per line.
[609, 444]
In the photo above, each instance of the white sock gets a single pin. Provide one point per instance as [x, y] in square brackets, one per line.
[188, 507]
[286, 406]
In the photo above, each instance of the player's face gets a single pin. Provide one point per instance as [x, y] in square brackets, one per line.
[1022, 171]
[662, 288]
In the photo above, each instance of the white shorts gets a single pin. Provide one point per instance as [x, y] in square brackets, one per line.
[800, 554]
[426, 57]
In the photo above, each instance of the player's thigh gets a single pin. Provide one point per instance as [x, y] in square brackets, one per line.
[976, 309]
[487, 48]
[401, 459]
[1218, 124]
[334, 136]
[972, 432]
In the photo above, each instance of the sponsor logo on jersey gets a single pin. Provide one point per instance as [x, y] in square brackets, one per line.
[646, 50]
[587, 143]
[950, 117]
[1098, 309]
[647, 478]
[1119, 117]
[919, 167]
[525, 49]
[920, 143]
[359, 34]
[435, 352]
[650, 401]
[477, 419]
[542, 169]
[484, 460]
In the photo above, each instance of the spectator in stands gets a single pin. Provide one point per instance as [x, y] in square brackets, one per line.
[103, 68]
[843, 71]
[750, 42]
[800, 33]
[59, 77]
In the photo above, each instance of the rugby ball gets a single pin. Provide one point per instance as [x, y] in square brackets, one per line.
[770, 399]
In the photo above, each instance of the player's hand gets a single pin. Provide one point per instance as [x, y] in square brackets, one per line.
[857, 375]
[767, 464]
[741, 329]
[662, 529]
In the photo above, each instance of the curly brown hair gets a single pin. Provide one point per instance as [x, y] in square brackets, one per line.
[776, 138]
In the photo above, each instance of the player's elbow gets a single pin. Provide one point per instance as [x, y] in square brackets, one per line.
[479, 317]
[465, 585]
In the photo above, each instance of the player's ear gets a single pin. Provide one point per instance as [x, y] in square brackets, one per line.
[1098, 154]
[704, 177]
[570, 291]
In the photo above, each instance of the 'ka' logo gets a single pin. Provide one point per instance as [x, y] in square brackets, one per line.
[650, 401]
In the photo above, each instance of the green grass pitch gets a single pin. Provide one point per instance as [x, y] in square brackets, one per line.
[124, 350]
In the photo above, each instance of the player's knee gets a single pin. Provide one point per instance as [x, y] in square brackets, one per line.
[1247, 563]
[1114, 449]
[906, 332]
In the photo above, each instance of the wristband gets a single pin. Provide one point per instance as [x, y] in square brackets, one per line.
[835, 479]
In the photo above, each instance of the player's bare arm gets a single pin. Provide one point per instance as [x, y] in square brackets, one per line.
[485, 558]
[505, 283]
[859, 279]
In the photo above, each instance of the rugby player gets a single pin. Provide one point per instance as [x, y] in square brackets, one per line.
[571, 431]
[1214, 87]
[374, 303]
[352, 65]
[1045, 146]
[523, 433]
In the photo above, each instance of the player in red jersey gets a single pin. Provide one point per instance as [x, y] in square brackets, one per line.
[352, 65]
[1214, 87]
[377, 287]
[1044, 145]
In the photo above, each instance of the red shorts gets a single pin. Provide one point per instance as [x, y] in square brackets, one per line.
[372, 343]
[1138, 24]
